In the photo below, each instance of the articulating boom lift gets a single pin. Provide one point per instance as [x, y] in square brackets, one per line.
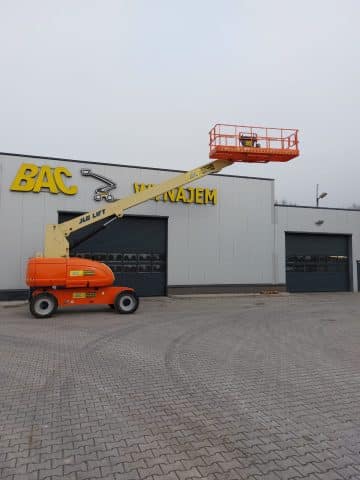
[56, 279]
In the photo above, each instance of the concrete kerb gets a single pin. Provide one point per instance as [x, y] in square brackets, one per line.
[13, 304]
[229, 295]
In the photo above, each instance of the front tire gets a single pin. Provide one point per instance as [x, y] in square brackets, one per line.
[43, 305]
[126, 302]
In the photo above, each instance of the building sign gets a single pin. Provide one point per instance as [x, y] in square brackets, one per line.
[31, 178]
[34, 178]
[197, 195]
[102, 192]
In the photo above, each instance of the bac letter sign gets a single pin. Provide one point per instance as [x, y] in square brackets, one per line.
[31, 178]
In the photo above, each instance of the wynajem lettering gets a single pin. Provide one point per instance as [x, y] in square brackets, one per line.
[198, 195]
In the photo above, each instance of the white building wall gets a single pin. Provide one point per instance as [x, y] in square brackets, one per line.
[228, 243]
[303, 220]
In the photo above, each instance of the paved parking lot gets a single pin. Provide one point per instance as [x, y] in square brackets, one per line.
[231, 388]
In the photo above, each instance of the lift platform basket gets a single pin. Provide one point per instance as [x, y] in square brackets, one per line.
[239, 143]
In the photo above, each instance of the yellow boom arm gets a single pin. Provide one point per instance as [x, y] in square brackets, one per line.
[56, 236]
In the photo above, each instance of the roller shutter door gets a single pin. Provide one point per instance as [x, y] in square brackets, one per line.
[134, 247]
[317, 263]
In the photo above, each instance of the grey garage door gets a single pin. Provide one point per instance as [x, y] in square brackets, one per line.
[317, 263]
[134, 247]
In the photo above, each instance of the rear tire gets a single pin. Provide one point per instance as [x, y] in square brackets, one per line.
[43, 305]
[126, 302]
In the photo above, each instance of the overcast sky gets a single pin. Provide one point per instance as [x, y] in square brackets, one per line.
[141, 82]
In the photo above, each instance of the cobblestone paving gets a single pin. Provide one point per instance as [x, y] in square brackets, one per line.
[256, 388]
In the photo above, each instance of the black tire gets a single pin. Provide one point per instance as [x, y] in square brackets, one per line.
[111, 305]
[126, 302]
[43, 305]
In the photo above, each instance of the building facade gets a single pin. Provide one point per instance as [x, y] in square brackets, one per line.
[222, 233]
[317, 249]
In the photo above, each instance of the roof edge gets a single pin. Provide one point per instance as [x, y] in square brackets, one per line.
[318, 208]
[41, 157]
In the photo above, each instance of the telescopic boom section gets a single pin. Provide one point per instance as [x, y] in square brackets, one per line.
[56, 236]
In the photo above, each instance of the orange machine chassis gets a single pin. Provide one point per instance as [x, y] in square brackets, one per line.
[67, 297]
[63, 282]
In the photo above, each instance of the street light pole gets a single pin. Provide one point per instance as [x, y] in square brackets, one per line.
[317, 195]
[322, 195]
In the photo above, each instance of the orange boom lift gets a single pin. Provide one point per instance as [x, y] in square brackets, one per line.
[56, 279]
